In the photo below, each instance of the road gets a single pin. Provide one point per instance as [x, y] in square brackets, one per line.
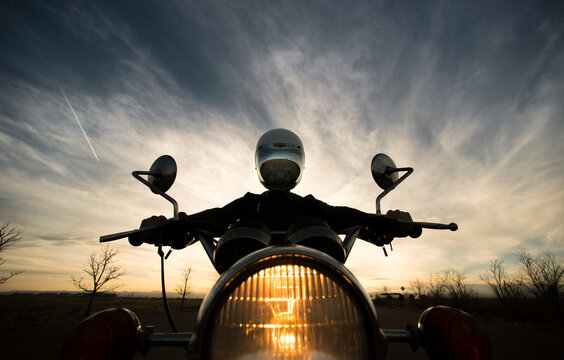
[510, 341]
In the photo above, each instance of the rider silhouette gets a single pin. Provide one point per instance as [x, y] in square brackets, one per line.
[279, 160]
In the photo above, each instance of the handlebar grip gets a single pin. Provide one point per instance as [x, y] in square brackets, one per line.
[170, 233]
[436, 226]
[121, 235]
[417, 231]
[116, 236]
[429, 225]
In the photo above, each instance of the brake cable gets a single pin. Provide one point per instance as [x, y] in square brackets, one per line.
[165, 302]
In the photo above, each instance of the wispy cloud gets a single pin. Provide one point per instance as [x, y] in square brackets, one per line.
[473, 105]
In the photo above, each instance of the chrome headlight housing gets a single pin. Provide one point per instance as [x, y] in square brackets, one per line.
[288, 302]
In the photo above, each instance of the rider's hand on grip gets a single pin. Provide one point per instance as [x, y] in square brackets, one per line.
[403, 228]
[149, 237]
[176, 233]
[384, 228]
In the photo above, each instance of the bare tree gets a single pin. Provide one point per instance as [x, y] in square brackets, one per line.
[496, 279]
[418, 287]
[543, 274]
[454, 282]
[502, 284]
[184, 288]
[9, 235]
[435, 286]
[101, 271]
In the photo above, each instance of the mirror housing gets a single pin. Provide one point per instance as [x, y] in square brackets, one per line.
[162, 173]
[382, 168]
[385, 173]
[160, 177]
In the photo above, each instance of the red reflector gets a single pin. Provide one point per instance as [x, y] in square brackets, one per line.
[109, 334]
[449, 333]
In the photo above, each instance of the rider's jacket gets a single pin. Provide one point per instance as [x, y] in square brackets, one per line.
[277, 210]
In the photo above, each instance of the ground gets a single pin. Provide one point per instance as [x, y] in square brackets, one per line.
[34, 326]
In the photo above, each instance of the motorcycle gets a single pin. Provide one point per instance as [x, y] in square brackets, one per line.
[292, 300]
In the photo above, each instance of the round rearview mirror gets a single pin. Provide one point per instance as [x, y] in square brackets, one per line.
[162, 173]
[380, 167]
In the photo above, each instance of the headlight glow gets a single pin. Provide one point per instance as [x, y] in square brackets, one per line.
[289, 311]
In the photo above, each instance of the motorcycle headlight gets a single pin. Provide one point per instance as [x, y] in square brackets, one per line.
[294, 304]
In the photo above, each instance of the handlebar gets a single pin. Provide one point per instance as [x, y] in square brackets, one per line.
[173, 233]
[385, 220]
[425, 225]
[430, 225]
[124, 234]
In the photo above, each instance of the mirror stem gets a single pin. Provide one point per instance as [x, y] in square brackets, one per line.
[408, 171]
[155, 189]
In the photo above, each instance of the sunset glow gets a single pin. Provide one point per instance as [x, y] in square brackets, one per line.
[469, 95]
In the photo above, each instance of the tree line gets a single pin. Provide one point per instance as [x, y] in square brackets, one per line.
[532, 292]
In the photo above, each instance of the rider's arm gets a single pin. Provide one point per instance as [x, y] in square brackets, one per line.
[223, 216]
[338, 217]
[215, 221]
[342, 217]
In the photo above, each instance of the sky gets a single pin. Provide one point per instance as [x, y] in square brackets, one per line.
[469, 94]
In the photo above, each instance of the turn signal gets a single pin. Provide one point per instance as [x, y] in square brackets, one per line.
[109, 334]
[449, 333]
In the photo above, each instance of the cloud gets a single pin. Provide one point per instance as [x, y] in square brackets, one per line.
[471, 103]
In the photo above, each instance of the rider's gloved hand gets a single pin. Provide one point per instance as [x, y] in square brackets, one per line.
[149, 237]
[404, 229]
[396, 223]
[176, 233]
[173, 232]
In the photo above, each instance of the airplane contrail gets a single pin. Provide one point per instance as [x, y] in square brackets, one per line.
[79, 124]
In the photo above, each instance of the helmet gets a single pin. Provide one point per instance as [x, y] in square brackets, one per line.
[279, 159]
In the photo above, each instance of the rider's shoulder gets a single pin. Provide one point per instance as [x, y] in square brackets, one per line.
[311, 198]
[311, 201]
[249, 196]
